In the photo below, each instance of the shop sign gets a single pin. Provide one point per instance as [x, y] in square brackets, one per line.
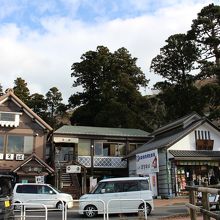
[1, 156]
[39, 179]
[73, 169]
[19, 156]
[147, 162]
[9, 156]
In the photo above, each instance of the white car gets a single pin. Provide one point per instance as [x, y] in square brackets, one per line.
[41, 194]
[123, 195]
[213, 199]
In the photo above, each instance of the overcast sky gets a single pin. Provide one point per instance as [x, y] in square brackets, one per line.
[41, 39]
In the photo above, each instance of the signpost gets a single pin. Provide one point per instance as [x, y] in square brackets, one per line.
[73, 169]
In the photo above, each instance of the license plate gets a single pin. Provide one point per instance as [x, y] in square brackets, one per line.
[7, 203]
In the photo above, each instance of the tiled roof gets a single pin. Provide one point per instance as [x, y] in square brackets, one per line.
[101, 131]
[198, 153]
[178, 122]
[165, 141]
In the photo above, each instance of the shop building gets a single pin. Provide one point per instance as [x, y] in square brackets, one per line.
[97, 152]
[23, 141]
[188, 153]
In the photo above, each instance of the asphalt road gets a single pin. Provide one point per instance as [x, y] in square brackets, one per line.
[158, 213]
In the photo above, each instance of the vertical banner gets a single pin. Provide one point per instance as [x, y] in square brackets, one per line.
[93, 183]
[147, 162]
[153, 183]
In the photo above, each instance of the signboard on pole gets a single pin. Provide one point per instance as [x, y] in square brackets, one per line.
[39, 179]
[73, 169]
[147, 162]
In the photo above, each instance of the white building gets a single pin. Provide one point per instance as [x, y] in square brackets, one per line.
[188, 153]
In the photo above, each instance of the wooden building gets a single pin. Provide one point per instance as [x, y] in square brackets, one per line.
[98, 151]
[23, 140]
[188, 153]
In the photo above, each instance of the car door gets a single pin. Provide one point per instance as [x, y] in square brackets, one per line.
[130, 196]
[28, 194]
[109, 194]
[47, 196]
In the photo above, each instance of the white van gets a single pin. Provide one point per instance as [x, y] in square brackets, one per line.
[127, 193]
[42, 194]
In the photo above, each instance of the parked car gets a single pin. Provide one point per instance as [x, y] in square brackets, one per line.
[6, 210]
[127, 195]
[41, 194]
[213, 200]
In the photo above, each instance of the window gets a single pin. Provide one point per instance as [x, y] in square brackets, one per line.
[131, 186]
[4, 116]
[30, 189]
[84, 147]
[120, 150]
[9, 119]
[98, 150]
[45, 190]
[144, 185]
[1, 144]
[20, 144]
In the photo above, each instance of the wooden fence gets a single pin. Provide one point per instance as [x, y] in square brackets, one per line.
[204, 207]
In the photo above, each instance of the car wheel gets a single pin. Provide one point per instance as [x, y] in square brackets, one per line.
[90, 211]
[141, 209]
[60, 205]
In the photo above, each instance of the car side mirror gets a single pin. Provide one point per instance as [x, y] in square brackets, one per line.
[50, 192]
[102, 190]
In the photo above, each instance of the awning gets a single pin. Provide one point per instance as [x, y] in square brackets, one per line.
[195, 155]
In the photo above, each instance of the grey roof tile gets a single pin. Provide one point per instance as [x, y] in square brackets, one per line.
[165, 141]
[198, 153]
[102, 131]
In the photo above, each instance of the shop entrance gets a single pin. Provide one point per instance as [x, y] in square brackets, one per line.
[196, 173]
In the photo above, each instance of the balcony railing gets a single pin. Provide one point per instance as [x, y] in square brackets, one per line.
[103, 162]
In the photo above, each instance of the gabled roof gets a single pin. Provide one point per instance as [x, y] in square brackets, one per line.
[171, 138]
[38, 160]
[183, 122]
[101, 131]
[10, 95]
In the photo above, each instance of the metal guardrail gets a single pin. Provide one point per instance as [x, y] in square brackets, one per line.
[28, 204]
[64, 206]
[23, 210]
[103, 208]
[92, 200]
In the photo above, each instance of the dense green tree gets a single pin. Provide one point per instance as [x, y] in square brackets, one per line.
[211, 97]
[21, 90]
[176, 60]
[175, 64]
[110, 83]
[38, 104]
[53, 100]
[54, 106]
[205, 30]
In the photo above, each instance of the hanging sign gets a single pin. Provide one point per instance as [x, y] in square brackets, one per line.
[147, 162]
